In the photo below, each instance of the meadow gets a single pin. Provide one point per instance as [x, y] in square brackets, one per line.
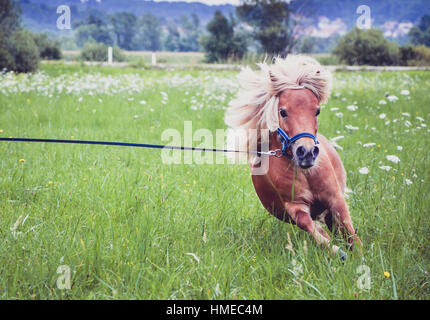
[130, 227]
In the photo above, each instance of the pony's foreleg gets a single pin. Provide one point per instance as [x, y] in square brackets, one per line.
[343, 222]
[299, 213]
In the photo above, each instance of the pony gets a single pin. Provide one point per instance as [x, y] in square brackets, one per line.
[306, 181]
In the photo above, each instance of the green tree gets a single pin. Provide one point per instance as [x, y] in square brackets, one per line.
[421, 34]
[124, 26]
[307, 45]
[9, 17]
[367, 47]
[24, 51]
[93, 29]
[9, 23]
[189, 41]
[18, 51]
[222, 43]
[173, 40]
[272, 23]
[149, 36]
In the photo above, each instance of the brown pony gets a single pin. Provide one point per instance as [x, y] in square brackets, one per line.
[306, 181]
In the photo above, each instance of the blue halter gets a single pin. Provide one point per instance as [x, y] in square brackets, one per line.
[287, 141]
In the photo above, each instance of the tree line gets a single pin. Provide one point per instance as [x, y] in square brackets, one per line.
[263, 26]
[146, 32]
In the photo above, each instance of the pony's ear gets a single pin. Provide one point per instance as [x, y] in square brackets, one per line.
[273, 77]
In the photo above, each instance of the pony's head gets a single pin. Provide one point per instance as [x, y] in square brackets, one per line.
[298, 111]
[287, 95]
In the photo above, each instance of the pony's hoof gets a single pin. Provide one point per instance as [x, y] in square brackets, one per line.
[342, 255]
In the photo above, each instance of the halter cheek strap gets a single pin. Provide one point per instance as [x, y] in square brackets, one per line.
[287, 141]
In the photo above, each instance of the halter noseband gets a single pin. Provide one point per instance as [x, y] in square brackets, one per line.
[287, 141]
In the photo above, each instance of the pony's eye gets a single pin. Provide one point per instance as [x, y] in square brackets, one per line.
[318, 112]
[283, 113]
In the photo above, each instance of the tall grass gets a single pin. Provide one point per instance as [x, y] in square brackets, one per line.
[126, 224]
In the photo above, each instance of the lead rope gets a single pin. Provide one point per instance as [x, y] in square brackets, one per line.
[142, 145]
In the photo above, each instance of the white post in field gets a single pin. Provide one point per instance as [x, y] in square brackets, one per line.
[154, 59]
[110, 55]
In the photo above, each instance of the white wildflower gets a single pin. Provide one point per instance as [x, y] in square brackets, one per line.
[393, 158]
[350, 127]
[404, 92]
[382, 102]
[382, 116]
[408, 182]
[392, 98]
[370, 144]
[400, 148]
[364, 170]
[352, 107]
[386, 168]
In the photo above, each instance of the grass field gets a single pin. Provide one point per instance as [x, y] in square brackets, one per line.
[129, 226]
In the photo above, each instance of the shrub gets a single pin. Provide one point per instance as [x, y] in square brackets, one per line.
[99, 52]
[367, 47]
[48, 49]
[19, 53]
[407, 54]
[327, 59]
[422, 56]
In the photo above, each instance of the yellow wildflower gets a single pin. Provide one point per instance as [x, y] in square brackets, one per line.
[386, 274]
[21, 160]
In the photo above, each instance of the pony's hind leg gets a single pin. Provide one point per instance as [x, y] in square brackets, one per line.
[299, 213]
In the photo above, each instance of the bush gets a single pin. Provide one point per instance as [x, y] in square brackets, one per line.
[48, 49]
[327, 59]
[407, 54]
[99, 52]
[19, 53]
[367, 47]
[422, 56]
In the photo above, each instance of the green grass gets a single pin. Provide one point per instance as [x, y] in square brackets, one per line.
[124, 222]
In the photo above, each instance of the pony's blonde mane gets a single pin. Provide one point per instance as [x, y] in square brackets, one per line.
[256, 104]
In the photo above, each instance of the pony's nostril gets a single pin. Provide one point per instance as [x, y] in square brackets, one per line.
[315, 151]
[301, 152]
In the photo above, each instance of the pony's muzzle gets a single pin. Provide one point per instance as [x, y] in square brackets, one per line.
[306, 157]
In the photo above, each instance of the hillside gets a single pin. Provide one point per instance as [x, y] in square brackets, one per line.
[394, 17]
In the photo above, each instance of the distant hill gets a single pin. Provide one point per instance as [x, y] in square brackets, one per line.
[41, 14]
[322, 16]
